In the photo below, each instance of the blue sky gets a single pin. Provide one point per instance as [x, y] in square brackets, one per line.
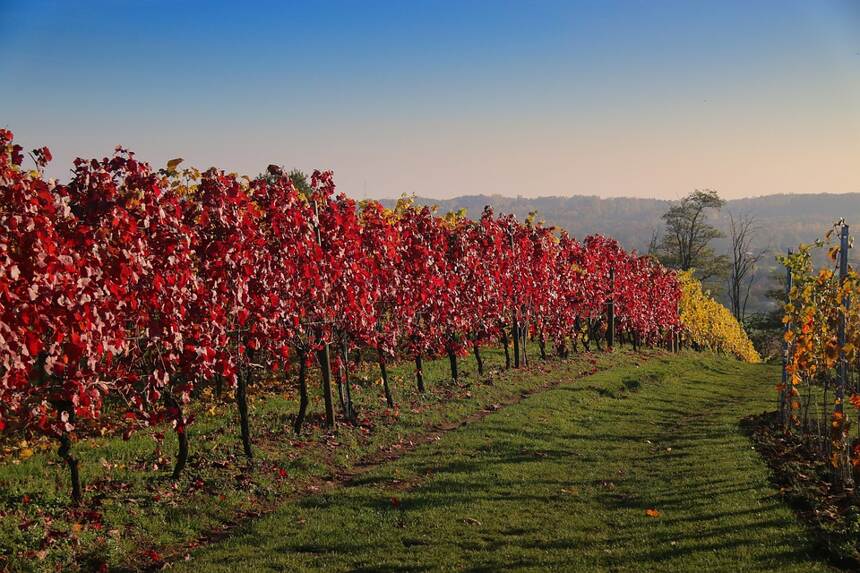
[450, 98]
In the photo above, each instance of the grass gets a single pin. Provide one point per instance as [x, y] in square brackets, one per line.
[133, 511]
[563, 480]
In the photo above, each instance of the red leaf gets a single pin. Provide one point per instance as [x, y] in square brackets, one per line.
[34, 344]
[243, 316]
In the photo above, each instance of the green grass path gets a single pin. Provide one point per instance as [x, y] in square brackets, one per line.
[560, 481]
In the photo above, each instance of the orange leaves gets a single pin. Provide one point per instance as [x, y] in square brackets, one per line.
[837, 420]
[816, 306]
[831, 352]
[173, 164]
[855, 454]
[651, 512]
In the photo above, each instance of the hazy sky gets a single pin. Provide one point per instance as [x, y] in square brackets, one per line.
[649, 99]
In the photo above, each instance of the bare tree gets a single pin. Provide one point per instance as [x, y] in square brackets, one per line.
[742, 260]
[654, 243]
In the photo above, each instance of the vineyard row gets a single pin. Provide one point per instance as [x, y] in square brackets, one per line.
[137, 287]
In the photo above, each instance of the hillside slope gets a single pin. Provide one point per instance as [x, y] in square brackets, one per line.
[642, 468]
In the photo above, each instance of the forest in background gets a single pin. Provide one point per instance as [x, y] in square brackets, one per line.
[783, 221]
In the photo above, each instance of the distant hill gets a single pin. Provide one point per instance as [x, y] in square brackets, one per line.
[785, 220]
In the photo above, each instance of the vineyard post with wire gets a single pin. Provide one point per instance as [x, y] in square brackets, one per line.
[787, 385]
[840, 457]
[322, 352]
[515, 328]
[610, 327]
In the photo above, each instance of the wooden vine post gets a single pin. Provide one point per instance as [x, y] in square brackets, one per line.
[505, 345]
[524, 329]
[610, 327]
[383, 369]
[325, 366]
[515, 327]
[302, 356]
[242, 404]
[787, 385]
[323, 352]
[349, 411]
[419, 372]
[839, 456]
